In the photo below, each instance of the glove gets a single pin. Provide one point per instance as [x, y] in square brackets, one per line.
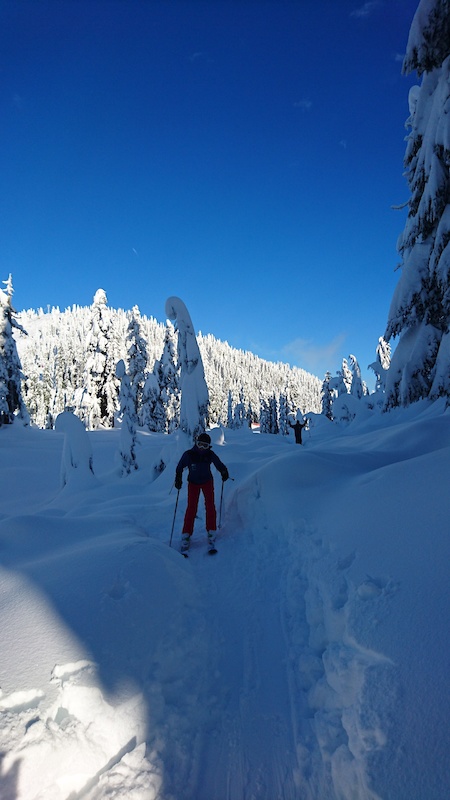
[225, 474]
[178, 480]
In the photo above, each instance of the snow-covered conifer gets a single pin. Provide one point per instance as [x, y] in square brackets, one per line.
[127, 411]
[327, 397]
[152, 414]
[347, 377]
[264, 416]
[341, 383]
[283, 413]
[169, 381]
[273, 415]
[420, 309]
[356, 388]
[100, 397]
[137, 358]
[194, 391]
[230, 420]
[4, 408]
[381, 364]
[11, 401]
[77, 462]
[236, 414]
[429, 37]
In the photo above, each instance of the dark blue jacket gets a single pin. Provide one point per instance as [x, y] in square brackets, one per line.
[199, 464]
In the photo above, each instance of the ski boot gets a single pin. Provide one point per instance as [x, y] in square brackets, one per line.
[212, 542]
[185, 542]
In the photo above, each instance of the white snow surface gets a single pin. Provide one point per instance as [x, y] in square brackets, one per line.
[308, 659]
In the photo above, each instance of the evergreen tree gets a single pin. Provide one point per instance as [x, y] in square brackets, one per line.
[347, 378]
[4, 407]
[137, 358]
[194, 390]
[100, 398]
[381, 365]
[127, 411]
[152, 414]
[327, 397]
[283, 413]
[169, 381]
[357, 387]
[230, 419]
[11, 402]
[341, 383]
[236, 415]
[273, 415]
[420, 308]
[264, 416]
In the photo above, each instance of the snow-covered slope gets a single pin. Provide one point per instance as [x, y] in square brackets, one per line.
[308, 659]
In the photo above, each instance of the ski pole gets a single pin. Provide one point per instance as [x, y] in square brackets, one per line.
[221, 499]
[174, 515]
[220, 508]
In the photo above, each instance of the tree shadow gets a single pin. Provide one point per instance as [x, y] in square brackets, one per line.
[126, 654]
[9, 780]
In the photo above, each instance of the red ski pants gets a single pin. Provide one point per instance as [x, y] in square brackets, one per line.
[194, 490]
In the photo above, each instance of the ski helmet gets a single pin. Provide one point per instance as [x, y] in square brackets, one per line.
[204, 440]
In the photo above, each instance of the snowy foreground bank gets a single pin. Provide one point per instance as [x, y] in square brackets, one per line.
[309, 659]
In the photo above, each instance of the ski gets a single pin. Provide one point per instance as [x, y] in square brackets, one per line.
[186, 541]
[210, 552]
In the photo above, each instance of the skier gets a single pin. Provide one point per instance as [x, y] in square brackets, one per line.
[198, 460]
[298, 427]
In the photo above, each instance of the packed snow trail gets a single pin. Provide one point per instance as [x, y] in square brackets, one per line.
[276, 729]
[248, 692]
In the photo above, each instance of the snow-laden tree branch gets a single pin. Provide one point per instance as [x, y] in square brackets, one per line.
[420, 309]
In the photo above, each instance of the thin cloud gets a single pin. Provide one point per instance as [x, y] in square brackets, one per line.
[304, 104]
[365, 10]
[201, 57]
[313, 357]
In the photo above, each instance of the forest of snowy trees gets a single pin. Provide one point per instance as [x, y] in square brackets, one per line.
[106, 364]
[70, 360]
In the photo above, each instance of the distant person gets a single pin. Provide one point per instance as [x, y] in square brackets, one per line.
[298, 428]
[198, 460]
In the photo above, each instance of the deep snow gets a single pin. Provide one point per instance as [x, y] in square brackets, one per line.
[309, 659]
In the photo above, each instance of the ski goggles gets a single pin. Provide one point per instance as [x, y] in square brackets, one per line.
[203, 445]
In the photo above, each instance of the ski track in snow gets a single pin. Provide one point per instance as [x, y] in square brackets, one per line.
[286, 687]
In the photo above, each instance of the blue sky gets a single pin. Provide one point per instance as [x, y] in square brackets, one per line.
[243, 155]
